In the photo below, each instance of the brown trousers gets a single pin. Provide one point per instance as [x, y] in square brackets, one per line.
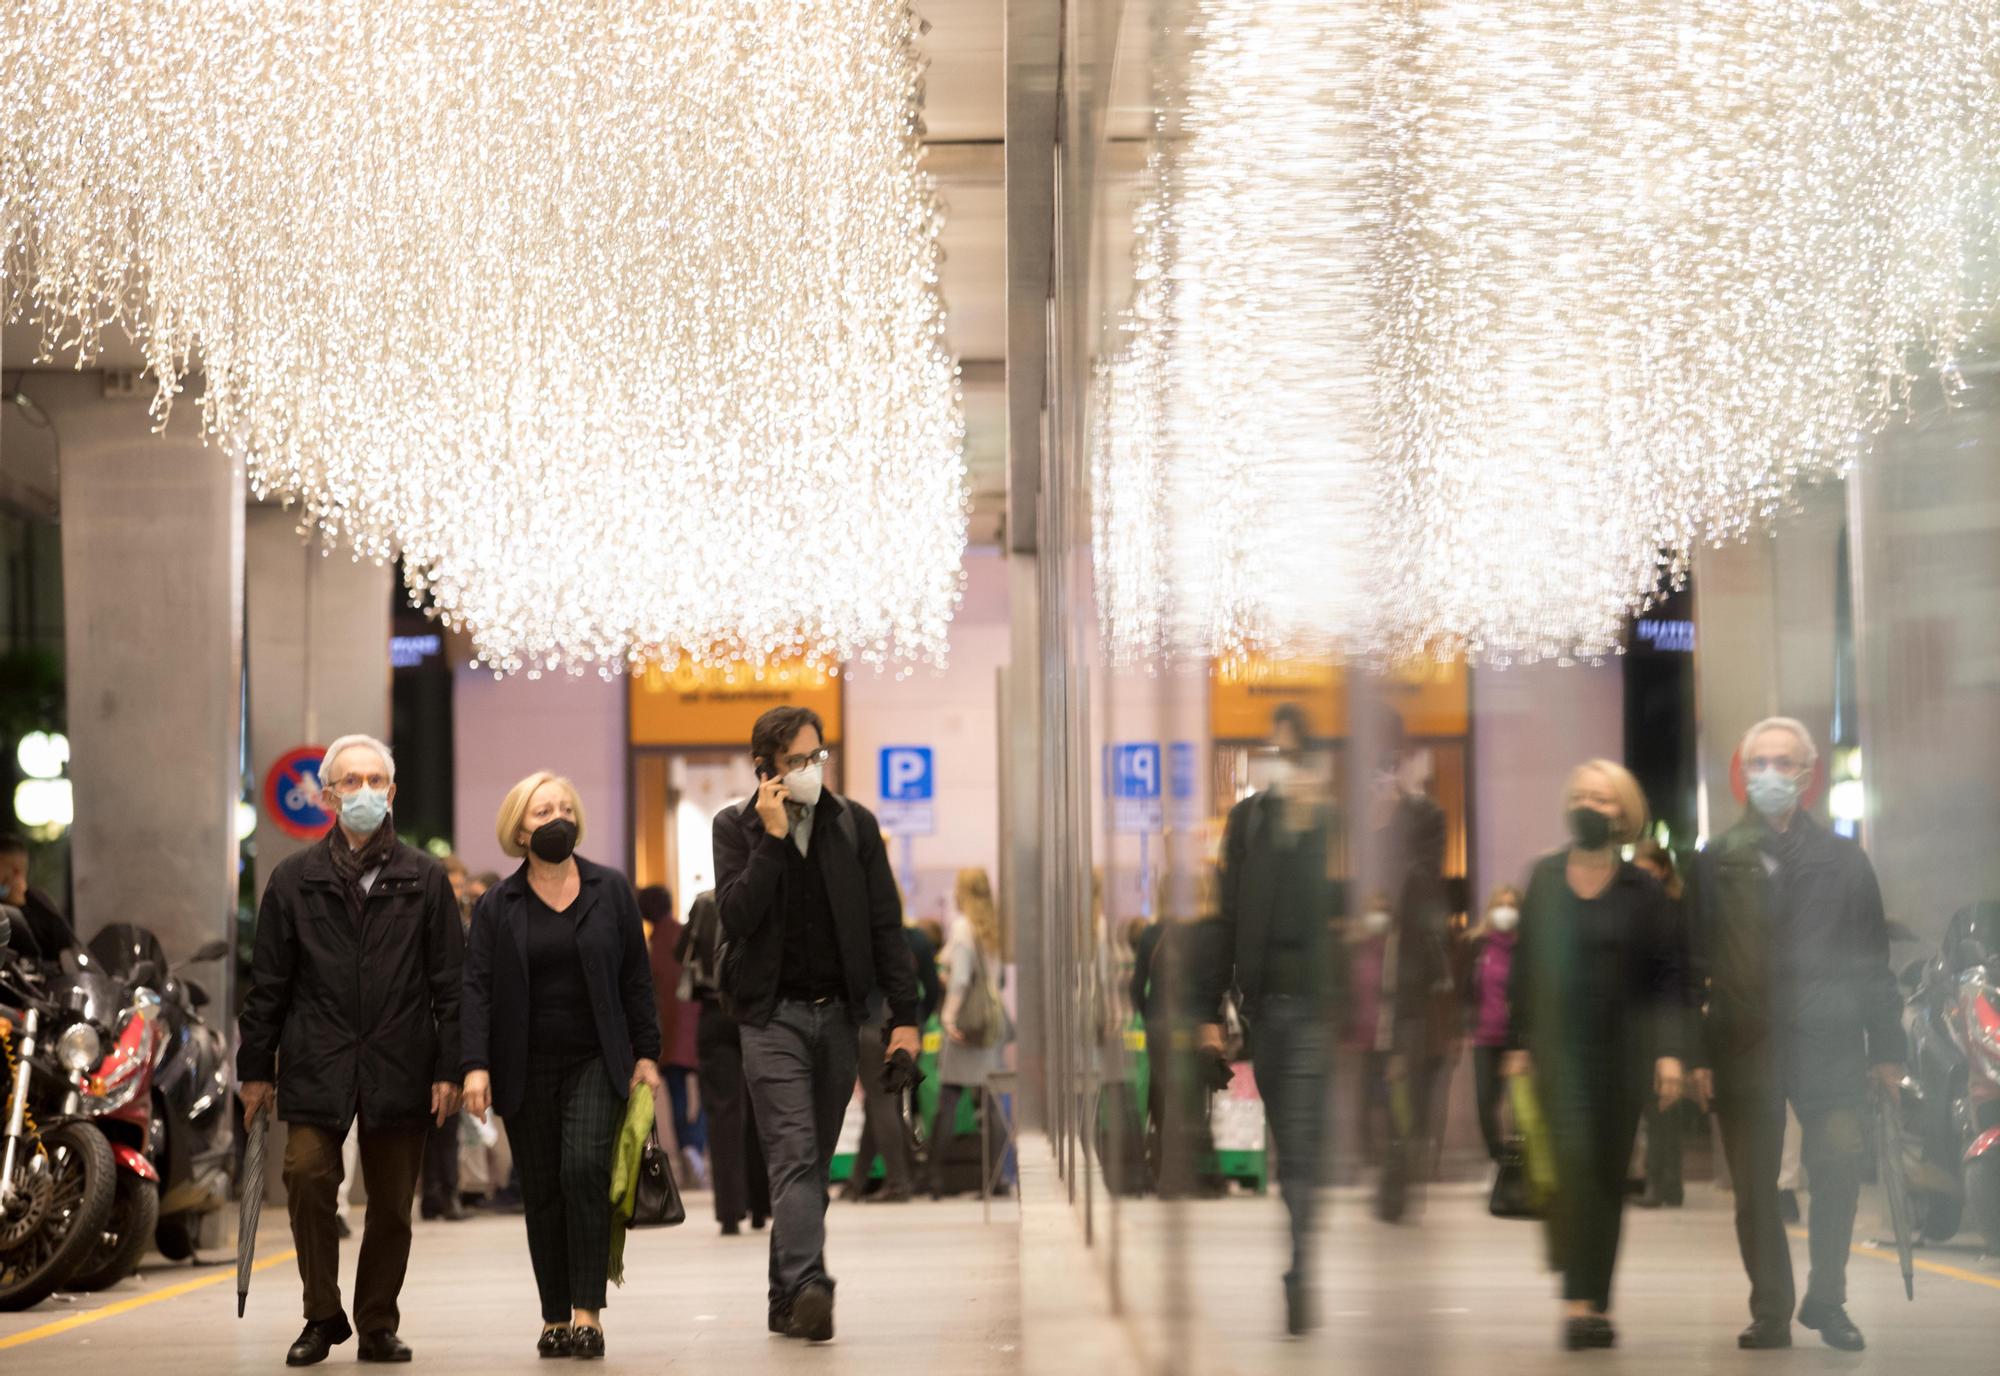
[392, 1161]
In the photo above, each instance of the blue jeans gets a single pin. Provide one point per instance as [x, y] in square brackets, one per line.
[801, 1071]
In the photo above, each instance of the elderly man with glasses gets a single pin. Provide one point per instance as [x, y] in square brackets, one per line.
[1802, 1008]
[351, 1025]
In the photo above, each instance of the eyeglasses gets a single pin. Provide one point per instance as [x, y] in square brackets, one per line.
[1784, 764]
[794, 763]
[352, 782]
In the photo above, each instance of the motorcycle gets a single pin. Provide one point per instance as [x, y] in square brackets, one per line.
[57, 1171]
[190, 1139]
[1973, 942]
[1951, 1100]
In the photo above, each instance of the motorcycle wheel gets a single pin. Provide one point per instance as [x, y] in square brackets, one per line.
[64, 1219]
[128, 1233]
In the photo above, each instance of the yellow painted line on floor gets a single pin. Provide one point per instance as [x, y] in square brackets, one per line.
[172, 1292]
[1936, 1268]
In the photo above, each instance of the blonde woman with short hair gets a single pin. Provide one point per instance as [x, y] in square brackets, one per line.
[560, 1027]
[1596, 994]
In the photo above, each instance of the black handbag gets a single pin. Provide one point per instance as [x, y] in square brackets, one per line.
[1510, 1198]
[657, 1204]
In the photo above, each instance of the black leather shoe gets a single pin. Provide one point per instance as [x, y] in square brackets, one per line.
[1301, 1316]
[317, 1338]
[453, 1212]
[555, 1342]
[812, 1315]
[382, 1346]
[888, 1196]
[757, 1222]
[1576, 1335]
[1765, 1336]
[1835, 1329]
[781, 1322]
[588, 1344]
[732, 1229]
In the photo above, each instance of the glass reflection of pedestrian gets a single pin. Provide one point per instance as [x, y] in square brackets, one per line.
[1274, 938]
[1491, 965]
[1598, 997]
[1666, 1129]
[1802, 1011]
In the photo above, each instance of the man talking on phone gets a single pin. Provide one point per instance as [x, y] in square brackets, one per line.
[813, 923]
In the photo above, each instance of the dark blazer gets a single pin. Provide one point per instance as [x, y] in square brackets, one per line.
[860, 888]
[610, 940]
[352, 1010]
[1838, 1009]
[1247, 899]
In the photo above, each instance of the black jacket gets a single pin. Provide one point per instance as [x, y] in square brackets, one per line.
[1411, 849]
[348, 1017]
[610, 941]
[1832, 1013]
[44, 934]
[1644, 978]
[860, 888]
[1239, 944]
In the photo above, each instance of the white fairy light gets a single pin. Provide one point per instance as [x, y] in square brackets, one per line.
[619, 324]
[1635, 269]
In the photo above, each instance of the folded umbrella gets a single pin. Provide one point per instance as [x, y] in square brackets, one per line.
[252, 1206]
[1888, 1134]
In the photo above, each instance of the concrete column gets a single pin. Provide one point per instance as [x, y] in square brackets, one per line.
[1765, 640]
[1925, 508]
[318, 650]
[152, 548]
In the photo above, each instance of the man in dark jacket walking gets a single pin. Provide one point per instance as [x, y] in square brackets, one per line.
[814, 923]
[352, 1018]
[1275, 933]
[1790, 940]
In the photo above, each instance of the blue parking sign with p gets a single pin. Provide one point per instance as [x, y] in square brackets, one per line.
[908, 790]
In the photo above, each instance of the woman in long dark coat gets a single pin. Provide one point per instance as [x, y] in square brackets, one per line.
[1597, 998]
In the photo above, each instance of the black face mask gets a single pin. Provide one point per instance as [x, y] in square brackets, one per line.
[1590, 828]
[554, 841]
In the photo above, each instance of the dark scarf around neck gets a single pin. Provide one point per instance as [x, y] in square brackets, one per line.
[350, 864]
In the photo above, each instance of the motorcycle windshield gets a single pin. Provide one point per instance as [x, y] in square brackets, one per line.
[121, 947]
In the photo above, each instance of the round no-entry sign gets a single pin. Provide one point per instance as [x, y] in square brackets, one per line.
[291, 793]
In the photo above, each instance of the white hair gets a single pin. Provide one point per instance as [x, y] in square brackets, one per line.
[346, 743]
[1791, 724]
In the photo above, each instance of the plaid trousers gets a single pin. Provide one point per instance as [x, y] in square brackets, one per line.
[562, 1138]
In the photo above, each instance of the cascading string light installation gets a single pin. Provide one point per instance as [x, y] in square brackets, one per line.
[1587, 285]
[619, 325]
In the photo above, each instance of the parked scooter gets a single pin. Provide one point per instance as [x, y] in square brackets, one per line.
[189, 1139]
[57, 1171]
[1972, 949]
[1951, 1101]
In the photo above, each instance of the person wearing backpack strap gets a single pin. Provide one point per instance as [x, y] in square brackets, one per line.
[813, 923]
[735, 1156]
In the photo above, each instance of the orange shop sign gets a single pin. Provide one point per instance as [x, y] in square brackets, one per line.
[688, 704]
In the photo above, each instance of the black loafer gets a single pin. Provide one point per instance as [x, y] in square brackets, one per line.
[1765, 1336]
[1835, 1329]
[555, 1342]
[586, 1343]
[781, 1322]
[1576, 1335]
[812, 1315]
[317, 1338]
[383, 1346]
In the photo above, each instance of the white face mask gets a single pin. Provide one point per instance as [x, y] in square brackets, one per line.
[1503, 919]
[804, 785]
[1375, 922]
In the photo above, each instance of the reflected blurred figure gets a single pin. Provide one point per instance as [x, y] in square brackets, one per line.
[1405, 851]
[1789, 931]
[1490, 969]
[1177, 1000]
[1666, 1128]
[1274, 938]
[972, 965]
[1598, 998]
